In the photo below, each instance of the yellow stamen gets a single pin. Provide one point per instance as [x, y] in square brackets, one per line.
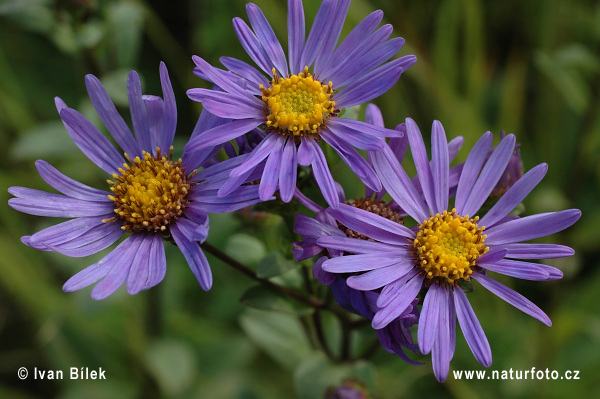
[149, 194]
[448, 245]
[297, 105]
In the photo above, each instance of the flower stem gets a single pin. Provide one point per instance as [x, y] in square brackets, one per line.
[222, 256]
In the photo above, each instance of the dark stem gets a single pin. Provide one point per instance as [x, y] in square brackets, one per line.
[222, 256]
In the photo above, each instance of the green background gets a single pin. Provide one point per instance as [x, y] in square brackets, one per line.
[528, 67]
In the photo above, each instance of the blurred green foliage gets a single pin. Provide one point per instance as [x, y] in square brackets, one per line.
[529, 67]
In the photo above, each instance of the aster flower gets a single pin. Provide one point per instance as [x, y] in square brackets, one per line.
[297, 102]
[448, 246]
[151, 195]
[396, 336]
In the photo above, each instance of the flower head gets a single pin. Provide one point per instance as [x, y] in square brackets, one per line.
[449, 245]
[297, 99]
[152, 196]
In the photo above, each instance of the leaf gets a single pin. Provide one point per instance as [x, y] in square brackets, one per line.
[44, 141]
[260, 297]
[126, 21]
[274, 264]
[245, 248]
[316, 373]
[172, 364]
[278, 334]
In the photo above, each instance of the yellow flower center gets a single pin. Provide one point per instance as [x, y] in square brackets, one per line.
[297, 105]
[448, 245]
[149, 194]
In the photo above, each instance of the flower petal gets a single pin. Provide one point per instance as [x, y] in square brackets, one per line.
[514, 268]
[318, 31]
[41, 203]
[537, 251]
[221, 134]
[194, 257]
[110, 117]
[90, 141]
[471, 328]
[429, 318]
[267, 38]
[270, 175]
[514, 298]
[531, 227]
[442, 347]
[296, 34]
[514, 195]
[358, 246]
[403, 299]
[379, 277]
[139, 114]
[371, 225]
[170, 111]
[68, 186]
[489, 176]
[471, 170]
[440, 164]
[288, 172]
[323, 174]
[359, 263]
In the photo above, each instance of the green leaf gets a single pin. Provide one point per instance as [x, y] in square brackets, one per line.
[245, 248]
[126, 21]
[172, 363]
[260, 297]
[44, 141]
[316, 373]
[278, 334]
[274, 264]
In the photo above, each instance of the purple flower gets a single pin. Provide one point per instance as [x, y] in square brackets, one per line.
[296, 99]
[395, 337]
[151, 195]
[448, 245]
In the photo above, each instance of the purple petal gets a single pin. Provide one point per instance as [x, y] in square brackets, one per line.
[110, 117]
[330, 39]
[354, 160]
[307, 202]
[537, 251]
[398, 184]
[514, 298]
[471, 170]
[323, 174]
[374, 83]
[120, 269]
[305, 153]
[252, 45]
[267, 38]
[514, 195]
[442, 347]
[440, 164]
[373, 115]
[170, 111]
[296, 34]
[493, 255]
[158, 263]
[194, 257]
[82, 246]
[358, 246]
[225, 105]
[374, 57]
[360, 263]
[428, 320]
[288, 172]
[513, 268]
[421, 161]
[403, 299]
[531, 227]
[352, 44]
[321, 275]
[258, 154]
[471, 329]
[379, 277]
[366, 128]
[65, 231]
[95, 272]
[371, 225]
[355, 138]
[246, 71]
[270, 176]
[142, 266]
[223, 79]
[40, 203]
[221, 134]
[453, 147]
[318, 31]
[90, 141]
[68, 186]
[489, 176]
[139, 114]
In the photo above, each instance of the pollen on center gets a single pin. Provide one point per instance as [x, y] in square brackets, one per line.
[448, 245]
[149, 194]
[297, 105]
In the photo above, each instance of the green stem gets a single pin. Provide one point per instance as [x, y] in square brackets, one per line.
[222, 256]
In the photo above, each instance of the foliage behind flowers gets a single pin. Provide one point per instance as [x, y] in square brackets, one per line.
[176, 340]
